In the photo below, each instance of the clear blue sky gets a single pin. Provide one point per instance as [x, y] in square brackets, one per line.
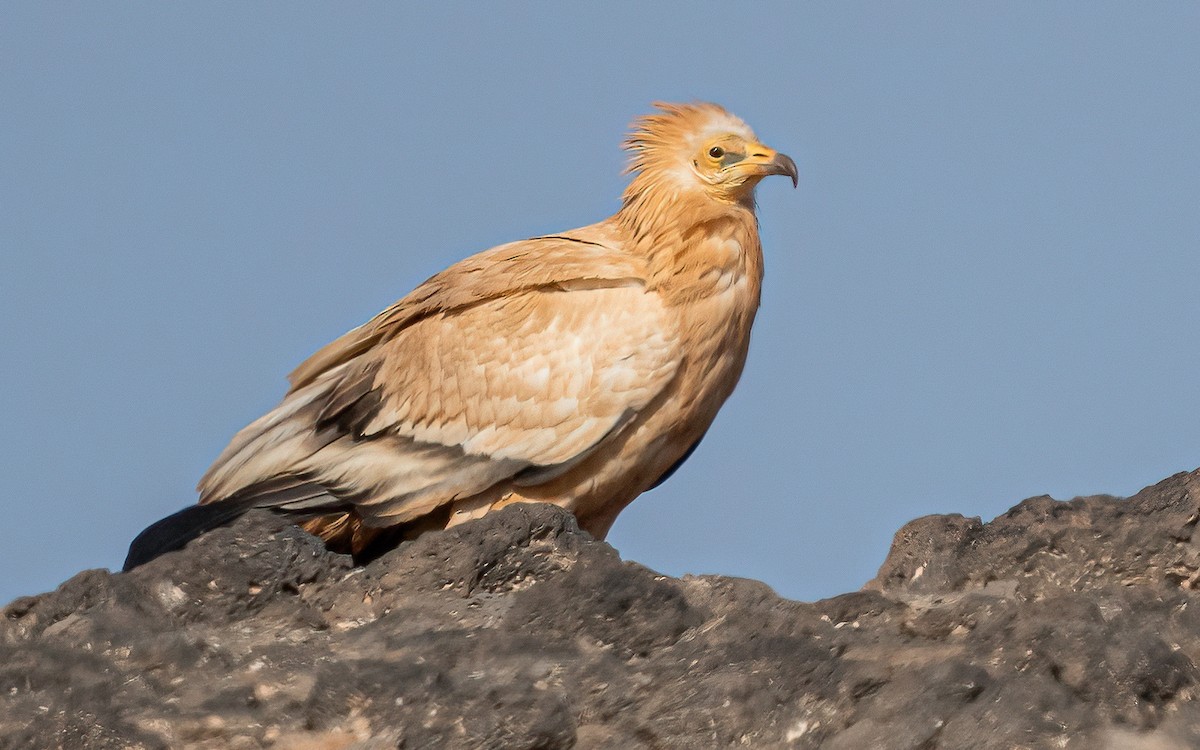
[985, 288]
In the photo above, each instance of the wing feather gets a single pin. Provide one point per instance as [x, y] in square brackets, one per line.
[518, 361]
[537, 377]
[588, 254]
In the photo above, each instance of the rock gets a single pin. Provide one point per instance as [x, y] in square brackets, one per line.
[1057, 625]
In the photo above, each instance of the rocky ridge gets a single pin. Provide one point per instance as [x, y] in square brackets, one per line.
[1057, 625]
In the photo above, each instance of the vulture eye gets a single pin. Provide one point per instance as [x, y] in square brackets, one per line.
[716, 152]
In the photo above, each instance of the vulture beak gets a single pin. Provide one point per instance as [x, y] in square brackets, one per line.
[764, 161]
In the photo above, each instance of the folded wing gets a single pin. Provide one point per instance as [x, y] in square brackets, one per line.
[510, 367]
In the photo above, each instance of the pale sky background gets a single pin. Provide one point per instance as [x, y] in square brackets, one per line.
[987, 286]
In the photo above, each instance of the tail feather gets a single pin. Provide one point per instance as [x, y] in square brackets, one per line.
[177, 529]
[302, 499]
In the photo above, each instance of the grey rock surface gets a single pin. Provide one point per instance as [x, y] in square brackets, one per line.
[1057, 625]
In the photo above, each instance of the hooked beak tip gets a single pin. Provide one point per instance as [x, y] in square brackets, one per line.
[785, 165]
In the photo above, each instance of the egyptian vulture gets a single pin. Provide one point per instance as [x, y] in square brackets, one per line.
[578, 368]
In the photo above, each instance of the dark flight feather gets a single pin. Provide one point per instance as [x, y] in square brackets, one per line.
[289, 495]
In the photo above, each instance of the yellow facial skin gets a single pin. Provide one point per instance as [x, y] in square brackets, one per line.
[733, 165]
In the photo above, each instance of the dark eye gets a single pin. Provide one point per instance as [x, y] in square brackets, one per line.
[716, 152]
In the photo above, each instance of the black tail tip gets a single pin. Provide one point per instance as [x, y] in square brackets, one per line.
[176, 530]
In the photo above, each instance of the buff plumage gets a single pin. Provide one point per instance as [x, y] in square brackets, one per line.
[577, 369]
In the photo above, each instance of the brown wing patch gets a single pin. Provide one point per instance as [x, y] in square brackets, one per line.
[353, 403]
